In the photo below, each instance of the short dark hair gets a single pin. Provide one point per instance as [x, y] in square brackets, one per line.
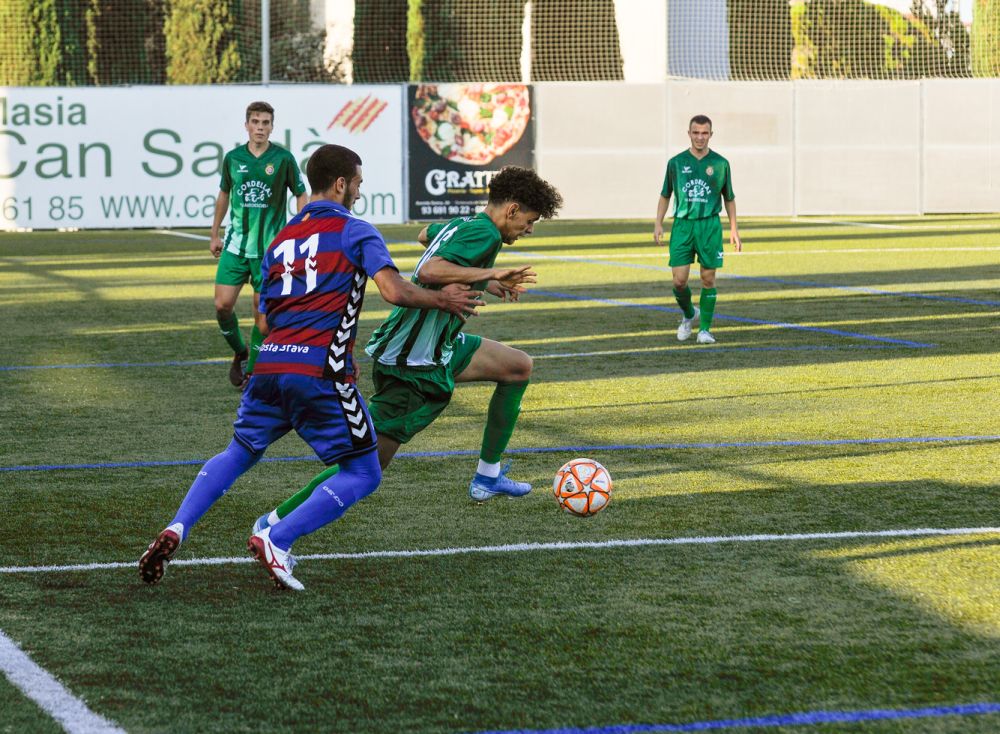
[700, 120]
[525, 187]
[260, 107]
[328, 163]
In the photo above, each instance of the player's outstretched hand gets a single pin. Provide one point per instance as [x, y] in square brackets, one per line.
[496, 288]
[513, 277]
[461, 300]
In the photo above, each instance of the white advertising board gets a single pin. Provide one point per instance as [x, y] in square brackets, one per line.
[152, 156]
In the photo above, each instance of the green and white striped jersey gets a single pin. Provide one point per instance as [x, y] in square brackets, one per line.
[414, 337]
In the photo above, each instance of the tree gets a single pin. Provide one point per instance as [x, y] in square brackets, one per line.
[379, 53]
[125, 43]
[201, 42]
[760, 39]
[464, 40]
[985, 38]
[575, 41]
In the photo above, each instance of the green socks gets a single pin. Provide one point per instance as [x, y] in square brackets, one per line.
[505, 405]
[707, 305]
[303, 494]
[256, 339]
[683, 296]
[230, 328]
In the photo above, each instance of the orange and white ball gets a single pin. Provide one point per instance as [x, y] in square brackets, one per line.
[582, 487]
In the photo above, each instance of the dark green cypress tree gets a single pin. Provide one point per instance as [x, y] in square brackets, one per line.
[760, 39]
[985, 38]
[201, 42]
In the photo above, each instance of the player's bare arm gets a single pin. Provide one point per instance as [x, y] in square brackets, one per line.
[457, 299]
[734, 230]
[438, 271]
[423, 238]
[221, 207]
[661, 212]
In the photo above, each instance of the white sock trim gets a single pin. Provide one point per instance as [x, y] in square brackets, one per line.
[272, 518]
[488, 470]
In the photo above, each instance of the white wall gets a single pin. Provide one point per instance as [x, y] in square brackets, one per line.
[797, 148]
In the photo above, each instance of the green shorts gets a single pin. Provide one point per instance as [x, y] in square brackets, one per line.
[696, 237]
[236, 270]
[408, 399]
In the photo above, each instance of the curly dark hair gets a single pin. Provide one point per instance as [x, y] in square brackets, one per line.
[525, 187]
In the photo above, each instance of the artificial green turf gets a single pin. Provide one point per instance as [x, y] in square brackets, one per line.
[584, 637]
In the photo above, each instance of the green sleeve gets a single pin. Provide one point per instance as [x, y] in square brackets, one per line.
[295, 183]
[474, 246]
[668, 184]
[727, 185]
[434, 229]
[226, 184]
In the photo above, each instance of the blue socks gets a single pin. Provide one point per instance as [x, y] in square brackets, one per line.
[358, 478]
[213, 481]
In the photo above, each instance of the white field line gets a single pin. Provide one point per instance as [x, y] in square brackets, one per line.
[622, 256]
[185, 235]
[930, 227]
[850, 224]
[528, 547]
[51, 696]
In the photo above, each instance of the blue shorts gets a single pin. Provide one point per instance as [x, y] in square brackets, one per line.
[334, 423]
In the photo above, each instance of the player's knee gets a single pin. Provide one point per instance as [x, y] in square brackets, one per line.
[223, 310]
[680, 282]
[708, 280]
[365, 473]
[520, 368]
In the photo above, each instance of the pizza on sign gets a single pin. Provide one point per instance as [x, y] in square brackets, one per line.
[471, 123]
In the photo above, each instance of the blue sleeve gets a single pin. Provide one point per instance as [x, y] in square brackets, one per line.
[367, 249]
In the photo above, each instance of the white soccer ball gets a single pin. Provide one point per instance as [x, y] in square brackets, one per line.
[582, 487]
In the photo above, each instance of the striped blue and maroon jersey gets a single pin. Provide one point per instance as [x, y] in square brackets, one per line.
[313, 283]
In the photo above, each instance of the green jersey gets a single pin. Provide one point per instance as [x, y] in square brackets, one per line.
[414, 337]
[256, 188]
[698, 185]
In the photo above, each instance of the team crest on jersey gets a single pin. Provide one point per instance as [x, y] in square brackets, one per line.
[686, 169]
[709, 171]
[269, 169]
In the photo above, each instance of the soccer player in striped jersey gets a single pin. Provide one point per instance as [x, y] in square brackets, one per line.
[420, 355]
[255, 177]
[314, 276]
[700, 179]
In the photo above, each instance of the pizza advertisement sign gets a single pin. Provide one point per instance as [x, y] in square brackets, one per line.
[460, 136]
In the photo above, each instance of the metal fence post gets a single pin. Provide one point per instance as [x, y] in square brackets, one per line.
[265, 41]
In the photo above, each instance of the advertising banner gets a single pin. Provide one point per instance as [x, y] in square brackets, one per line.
[460, 136]
[152, 156]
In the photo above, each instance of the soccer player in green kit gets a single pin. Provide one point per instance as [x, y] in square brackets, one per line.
[700, 180]
[255, 177]
[420, 354]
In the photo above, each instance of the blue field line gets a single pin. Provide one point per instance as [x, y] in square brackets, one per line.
[545, 450]
[764, 279]
[805, 718]
[861, 289]
[740, 319]
[105, 365]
